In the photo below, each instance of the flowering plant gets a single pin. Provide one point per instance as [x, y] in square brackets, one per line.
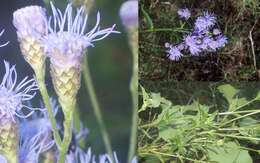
[50, 132]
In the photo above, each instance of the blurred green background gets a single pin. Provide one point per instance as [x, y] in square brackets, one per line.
[110, 66]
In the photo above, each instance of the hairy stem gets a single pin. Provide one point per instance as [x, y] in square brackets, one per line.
[133, 41]
[96, 107]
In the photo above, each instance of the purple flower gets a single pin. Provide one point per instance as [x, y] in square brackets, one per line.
[174, 53]
[39, 122]
[184, 13]
[206, 41]
[193, 44]
[14, 94]
[67, 39]
[205, 21]
[218, 43]
[203, 38]
[31, 147]
[222, 41]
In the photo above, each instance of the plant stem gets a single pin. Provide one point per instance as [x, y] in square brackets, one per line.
[133, 41]
[177, 156]
[40, 76]
[237, 112]
[68, 109]
[238, 137]
[243, 116]
[96, 107]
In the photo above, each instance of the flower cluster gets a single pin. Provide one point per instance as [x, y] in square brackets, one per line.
[205, 37]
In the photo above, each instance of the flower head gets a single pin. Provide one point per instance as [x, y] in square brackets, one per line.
[39, 122]
[12, 98]
[13, 95]
[174, 52]
[129, 14]
[30, 21]
[2, 45]
[184, 13]
[38, 132]
[219, 42]
[31, 24]
[193, 44]
[205, 21]
[31, 147]
[65, 45]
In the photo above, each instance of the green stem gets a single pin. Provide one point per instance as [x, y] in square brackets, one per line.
[68, 109]
[40, 75]
[96, 107]
[133, 41]
[237, 112]
[243, 116]
[177, 156]
[248, 103]
[237, 137]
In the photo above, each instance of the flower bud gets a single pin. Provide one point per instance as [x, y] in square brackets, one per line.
[129, 14]
[65, 55]
[31, 25]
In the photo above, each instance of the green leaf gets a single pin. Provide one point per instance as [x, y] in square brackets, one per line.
[231, 95]
[147, 18]
[229, 153]
[153, 100]
[177, 120]
[228, 91]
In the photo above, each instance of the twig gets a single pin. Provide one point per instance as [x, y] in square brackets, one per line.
[252, 44]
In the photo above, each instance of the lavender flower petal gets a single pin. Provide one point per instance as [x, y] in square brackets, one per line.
[174, 52]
